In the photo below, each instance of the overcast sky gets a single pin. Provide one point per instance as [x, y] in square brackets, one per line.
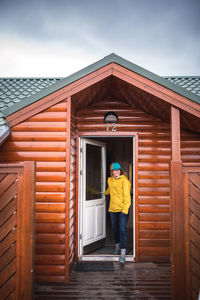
[55, 38]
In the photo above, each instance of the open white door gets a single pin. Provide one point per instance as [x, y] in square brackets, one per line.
[93, 173]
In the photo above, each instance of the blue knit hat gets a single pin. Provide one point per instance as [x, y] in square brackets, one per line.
[115, 166]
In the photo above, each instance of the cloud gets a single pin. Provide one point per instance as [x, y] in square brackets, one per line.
[23, 59]
[42, 36]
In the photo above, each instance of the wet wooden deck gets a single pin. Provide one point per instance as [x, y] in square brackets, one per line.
[131, 281]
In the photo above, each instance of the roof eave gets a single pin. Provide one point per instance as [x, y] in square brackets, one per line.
[4, 133]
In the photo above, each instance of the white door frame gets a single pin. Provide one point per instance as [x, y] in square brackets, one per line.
[81, 188]
[94, 227]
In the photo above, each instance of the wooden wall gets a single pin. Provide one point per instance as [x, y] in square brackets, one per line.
[17, 193]
[153, 238]
[190, 148]
[154, 155]
[42, 139]
[191, 181]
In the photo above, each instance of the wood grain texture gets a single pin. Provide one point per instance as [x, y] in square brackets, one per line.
[17, 198]
[194, 231]
[42, 138]
[191, 179]
[153, 169]
[73, 217]
[134, 281]
[8, 224]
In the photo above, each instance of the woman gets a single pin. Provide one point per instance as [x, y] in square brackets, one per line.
[120, 200]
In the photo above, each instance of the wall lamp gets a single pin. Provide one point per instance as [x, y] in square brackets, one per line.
[111, 118]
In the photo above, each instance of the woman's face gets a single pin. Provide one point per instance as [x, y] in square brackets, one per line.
[116, 173]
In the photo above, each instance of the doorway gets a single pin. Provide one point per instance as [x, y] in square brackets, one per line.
[96, 240]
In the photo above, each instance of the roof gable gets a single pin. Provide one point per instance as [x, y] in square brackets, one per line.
[14, 90]
[45, 87]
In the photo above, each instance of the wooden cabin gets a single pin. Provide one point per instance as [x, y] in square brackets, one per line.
[58, 138]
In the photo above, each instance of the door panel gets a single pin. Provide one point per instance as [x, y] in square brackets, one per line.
[89, 227]
[94, 176]
[100, 220]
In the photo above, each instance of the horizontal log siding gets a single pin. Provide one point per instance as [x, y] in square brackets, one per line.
[153, 167]
[154, 155]
[42, 138]
[190, 147]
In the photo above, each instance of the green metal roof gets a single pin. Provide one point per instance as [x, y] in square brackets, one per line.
[17, 93]
[14, 90]
[189, 83]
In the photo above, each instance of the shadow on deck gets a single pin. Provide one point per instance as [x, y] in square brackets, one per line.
[131, 281]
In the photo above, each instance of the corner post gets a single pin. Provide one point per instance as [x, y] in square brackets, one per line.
[26, 233]
[177, 209]
[67, 188]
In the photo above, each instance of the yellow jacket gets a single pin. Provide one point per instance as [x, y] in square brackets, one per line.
[119, 190]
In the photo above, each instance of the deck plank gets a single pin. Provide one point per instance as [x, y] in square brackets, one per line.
[131, 281]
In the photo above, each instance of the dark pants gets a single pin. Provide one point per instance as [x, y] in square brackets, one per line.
[119, 223]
